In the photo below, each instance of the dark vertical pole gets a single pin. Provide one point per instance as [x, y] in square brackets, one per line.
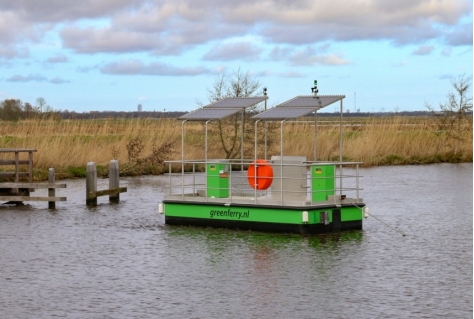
[17, 166]
[17, 171]
[91, 184]
[51, 191]
[114, 180]
[336, 220]
[30, 166]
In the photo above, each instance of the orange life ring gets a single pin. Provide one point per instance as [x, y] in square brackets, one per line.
[260, 174]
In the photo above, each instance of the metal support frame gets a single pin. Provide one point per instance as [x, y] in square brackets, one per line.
[182, 158]
[265, 133]
[242, 134]
[281, 160]
[315, 135]
[340, 150]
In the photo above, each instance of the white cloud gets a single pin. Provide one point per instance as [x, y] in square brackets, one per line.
[446, 52]
[424, 50]
[312, 56]
[28, 78]
[459, 35]
[233, 51]
[94, 40]
[169, 27]
[136, 67]
[57, 80]
[59, 10]
[35, 78]
[60, 58]
[284, 74]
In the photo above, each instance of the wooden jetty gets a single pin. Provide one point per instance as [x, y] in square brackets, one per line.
[16, 180]
[19, 169]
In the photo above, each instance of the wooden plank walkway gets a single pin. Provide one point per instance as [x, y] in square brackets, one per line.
[31, 185]
[19, 191]
[32, 199]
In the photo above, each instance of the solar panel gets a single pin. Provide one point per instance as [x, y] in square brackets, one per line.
[222, 108]
[295, 108]
[209, 114]
[237, 102]
[283, 113]
[312, 101]
[298, 107]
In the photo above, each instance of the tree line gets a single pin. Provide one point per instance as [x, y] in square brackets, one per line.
[15, 110]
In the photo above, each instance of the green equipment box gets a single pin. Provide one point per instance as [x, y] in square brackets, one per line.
[322, 182]
[217, 180]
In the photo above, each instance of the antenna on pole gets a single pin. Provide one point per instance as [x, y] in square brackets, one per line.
[315, 91]
[265, 94]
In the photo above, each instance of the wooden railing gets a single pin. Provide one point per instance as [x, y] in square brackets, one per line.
[19, 167]
[17, 191]
[15, 158]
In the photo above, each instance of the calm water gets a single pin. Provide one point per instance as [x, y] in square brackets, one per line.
[121, 261]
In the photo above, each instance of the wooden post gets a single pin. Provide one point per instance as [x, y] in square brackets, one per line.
[30, 166]
[114, 180]
[17, 171]
[91, 183]
[51, 191]
[17, 167]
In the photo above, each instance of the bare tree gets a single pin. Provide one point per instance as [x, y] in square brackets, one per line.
[455, 116]
[41, 105]
[238, 84]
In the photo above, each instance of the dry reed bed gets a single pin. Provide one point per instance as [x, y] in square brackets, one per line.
[73, 143]
[374, 141]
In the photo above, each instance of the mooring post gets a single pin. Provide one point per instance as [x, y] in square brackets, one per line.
[114, 180]
[51, 191]
[91, 184]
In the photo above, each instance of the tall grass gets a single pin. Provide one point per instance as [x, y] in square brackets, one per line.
[70, 144]
[380, 141]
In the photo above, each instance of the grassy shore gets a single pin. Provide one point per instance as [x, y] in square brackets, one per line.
[141, 145]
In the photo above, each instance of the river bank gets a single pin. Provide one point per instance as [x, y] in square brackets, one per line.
[141, 145]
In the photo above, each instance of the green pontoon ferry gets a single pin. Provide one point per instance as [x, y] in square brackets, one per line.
[277, 193]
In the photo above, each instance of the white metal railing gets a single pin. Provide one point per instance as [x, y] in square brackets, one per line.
[188, 181]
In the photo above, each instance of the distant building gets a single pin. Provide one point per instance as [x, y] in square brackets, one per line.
[139, 107]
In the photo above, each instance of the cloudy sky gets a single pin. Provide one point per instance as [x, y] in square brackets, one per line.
[88, 55]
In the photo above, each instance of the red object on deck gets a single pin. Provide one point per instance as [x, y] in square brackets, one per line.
[260, 174]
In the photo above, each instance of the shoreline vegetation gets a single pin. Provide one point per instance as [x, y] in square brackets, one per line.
[141, 145]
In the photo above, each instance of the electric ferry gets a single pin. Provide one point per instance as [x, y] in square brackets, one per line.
[277, 193]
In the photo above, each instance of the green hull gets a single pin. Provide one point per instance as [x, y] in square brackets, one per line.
[305, 219]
